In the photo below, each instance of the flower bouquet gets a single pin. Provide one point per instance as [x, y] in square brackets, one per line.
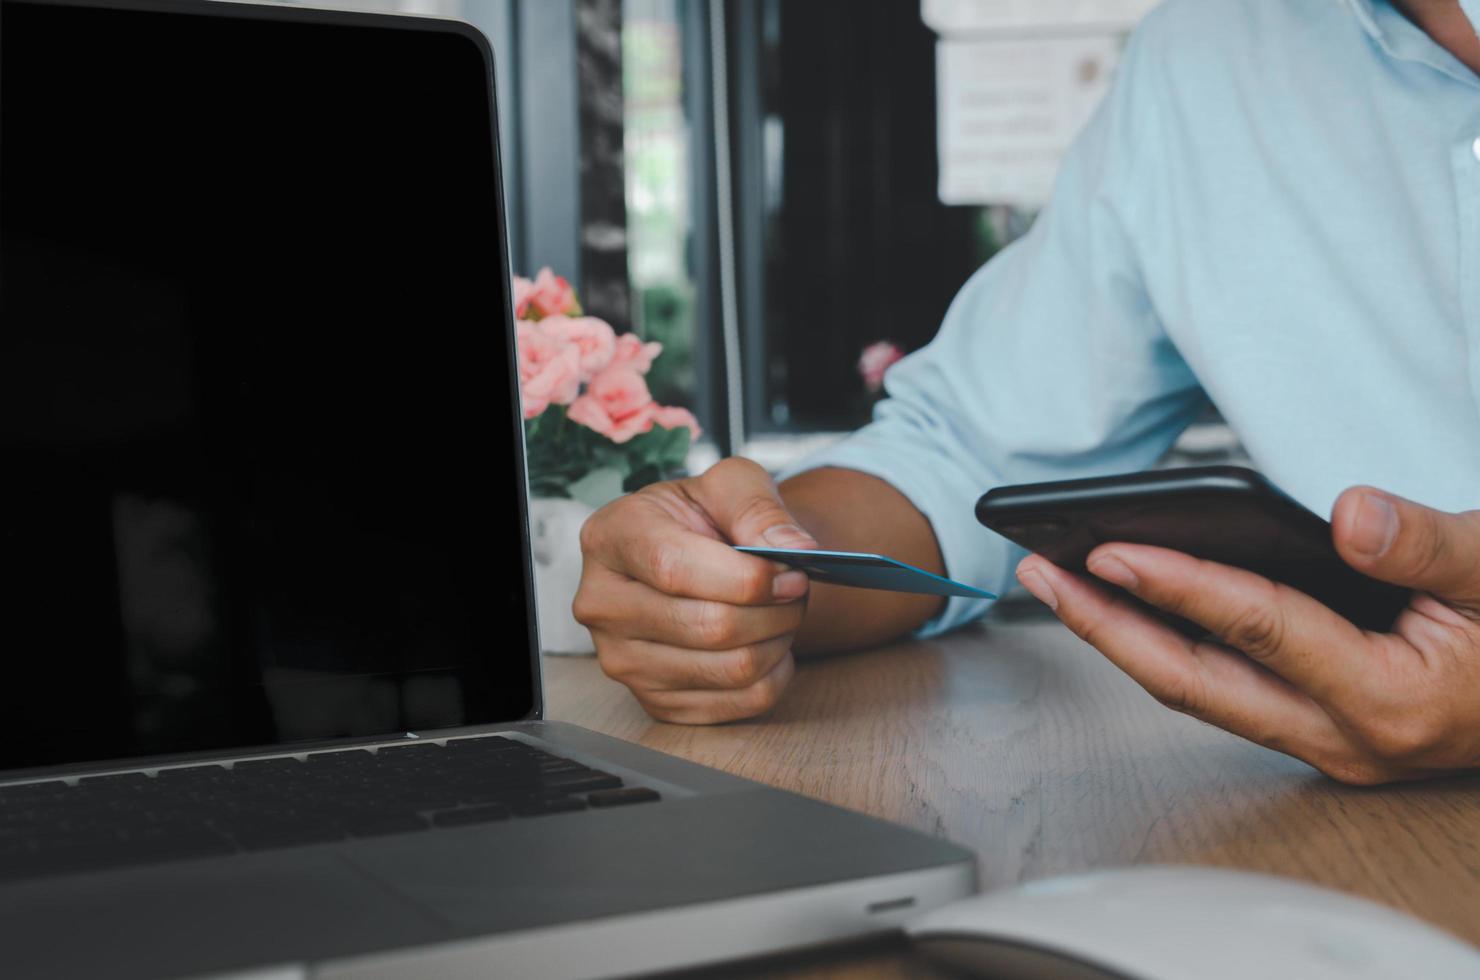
[592, 430]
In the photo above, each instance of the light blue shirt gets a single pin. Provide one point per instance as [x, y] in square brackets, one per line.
[1277, 207]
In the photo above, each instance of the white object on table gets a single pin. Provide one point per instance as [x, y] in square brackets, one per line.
[1169, 923]
[555, 539]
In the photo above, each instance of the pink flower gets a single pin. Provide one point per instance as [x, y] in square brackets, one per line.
[523, 289]
[550, 295]
[549, 369]
[875, 360]
[616, 404]
[596, 341]
[633, 353]
[674, 417]
[534, 349]
[558, 384]
[620, 392]
[588, 412]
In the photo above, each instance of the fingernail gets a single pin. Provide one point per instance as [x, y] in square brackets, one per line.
[788, 536]
[789, 585]
[1375, 526]
[1114, 571]
[1035, 583]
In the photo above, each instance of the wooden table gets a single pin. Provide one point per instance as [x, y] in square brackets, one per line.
[1016, 740]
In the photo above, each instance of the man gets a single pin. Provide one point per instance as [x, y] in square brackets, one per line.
[1278, 208]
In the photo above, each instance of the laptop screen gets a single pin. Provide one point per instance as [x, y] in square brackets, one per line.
[261, 481]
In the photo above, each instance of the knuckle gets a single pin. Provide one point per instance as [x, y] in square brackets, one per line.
[1178, 602]
[733, 468]
[714, 625]
[741, 668]
[660, 489]
[1091, 630]
[612, 664]
[1400, 736]
[665, 564]
[1432, 552]
[590, 535]
[1258, 630]
[755, 511]
[587, 607]
[754, 700]
[1182, 695]
[755, 582]
[766, 693]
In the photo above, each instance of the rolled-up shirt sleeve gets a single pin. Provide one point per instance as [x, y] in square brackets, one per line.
[1050, 364]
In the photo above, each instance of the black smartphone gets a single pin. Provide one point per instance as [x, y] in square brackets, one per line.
[1226, 514]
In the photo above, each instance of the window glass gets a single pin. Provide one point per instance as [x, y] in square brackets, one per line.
[854, 243]
[659, 201]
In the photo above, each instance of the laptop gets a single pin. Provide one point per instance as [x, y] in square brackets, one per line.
[272, 684]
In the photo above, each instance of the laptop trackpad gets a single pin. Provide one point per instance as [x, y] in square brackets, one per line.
[549, 870]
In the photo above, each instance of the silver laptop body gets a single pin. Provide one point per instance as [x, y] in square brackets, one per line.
[271, 514]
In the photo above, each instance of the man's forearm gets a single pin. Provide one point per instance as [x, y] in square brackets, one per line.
[846, 510]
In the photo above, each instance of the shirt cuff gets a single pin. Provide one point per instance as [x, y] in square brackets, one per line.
[972, 553]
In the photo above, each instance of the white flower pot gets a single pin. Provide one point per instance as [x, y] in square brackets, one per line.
[555, 536]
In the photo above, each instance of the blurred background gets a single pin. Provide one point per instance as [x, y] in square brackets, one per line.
[768, 187]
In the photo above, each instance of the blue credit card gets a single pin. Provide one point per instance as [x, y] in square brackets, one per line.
[865, 571]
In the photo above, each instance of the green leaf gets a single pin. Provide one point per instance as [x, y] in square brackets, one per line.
[608, 455]
[558, 453]
[672, 449]
[563, 454]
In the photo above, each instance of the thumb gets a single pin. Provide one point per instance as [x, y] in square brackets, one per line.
[742, 500]
[1408, 544]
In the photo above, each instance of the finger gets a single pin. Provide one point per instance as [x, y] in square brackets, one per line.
[742, 499]
[674, 560]
[714, 706]
[631, 609]
[1408, 544]
[1286, 631]
[1200, 679]
[647, 667]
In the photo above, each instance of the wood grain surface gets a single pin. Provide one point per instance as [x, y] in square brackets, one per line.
[1023, 744]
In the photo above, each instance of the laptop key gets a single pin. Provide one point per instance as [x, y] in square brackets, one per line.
[415, 748]
[622, 797]
[580, 782]
[114, 780]
[276, 766]
[192, 774]
[354, 757]
[539, 807]
[490, 743]
[470, 815]
[491, 793]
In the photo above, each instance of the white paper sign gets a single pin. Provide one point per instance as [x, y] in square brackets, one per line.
[1007, 111]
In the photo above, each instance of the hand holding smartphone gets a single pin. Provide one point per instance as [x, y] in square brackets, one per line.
[1227, 514]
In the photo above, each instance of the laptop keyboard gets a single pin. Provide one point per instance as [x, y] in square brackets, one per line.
[198, 811]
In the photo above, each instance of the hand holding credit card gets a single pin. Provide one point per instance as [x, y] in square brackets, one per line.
[865, 571]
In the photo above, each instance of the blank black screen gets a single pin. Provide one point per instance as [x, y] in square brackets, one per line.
[259, 473]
